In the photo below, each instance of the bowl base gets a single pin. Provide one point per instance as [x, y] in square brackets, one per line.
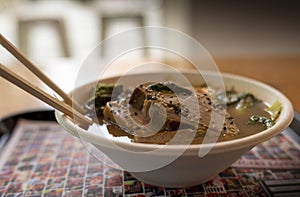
[174, 183]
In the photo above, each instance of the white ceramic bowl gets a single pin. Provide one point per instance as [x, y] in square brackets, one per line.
[188, 169]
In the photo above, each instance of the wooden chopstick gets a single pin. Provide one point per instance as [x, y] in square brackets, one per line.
[42, 95]
[34, 69]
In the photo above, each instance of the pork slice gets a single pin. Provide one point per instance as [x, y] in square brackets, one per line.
[154, 116]
[158, 94]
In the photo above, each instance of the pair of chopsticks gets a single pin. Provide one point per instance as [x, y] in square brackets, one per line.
[67, 106]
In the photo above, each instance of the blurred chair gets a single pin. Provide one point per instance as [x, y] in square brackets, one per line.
[47, 14]
[108, 19]
[25, 24]
[115, 12]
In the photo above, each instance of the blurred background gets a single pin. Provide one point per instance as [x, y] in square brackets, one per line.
[47, 29]
[258, 38]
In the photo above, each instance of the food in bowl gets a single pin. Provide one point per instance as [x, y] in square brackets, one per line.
[244, 115]
[161, 164]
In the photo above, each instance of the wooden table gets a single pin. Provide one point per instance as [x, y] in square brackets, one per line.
[280, 72]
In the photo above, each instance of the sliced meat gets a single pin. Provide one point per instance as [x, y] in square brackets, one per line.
[162, 95]
[155, 112]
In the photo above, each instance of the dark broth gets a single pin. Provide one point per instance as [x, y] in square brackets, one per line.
[242, 120]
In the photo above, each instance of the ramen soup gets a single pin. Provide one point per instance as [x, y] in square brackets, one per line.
[156, 112]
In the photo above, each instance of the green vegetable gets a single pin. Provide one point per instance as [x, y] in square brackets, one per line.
[242, 101]
[274, 110]
[105, 90]
[101, 95]
[168, 87]
[267, 122]
[246, 100]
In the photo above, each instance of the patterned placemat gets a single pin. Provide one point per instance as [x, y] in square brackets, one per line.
[41, 159]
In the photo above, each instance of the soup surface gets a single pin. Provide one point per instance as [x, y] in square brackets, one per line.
[157, 112]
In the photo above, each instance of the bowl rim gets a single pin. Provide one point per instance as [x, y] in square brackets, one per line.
[282, 123]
